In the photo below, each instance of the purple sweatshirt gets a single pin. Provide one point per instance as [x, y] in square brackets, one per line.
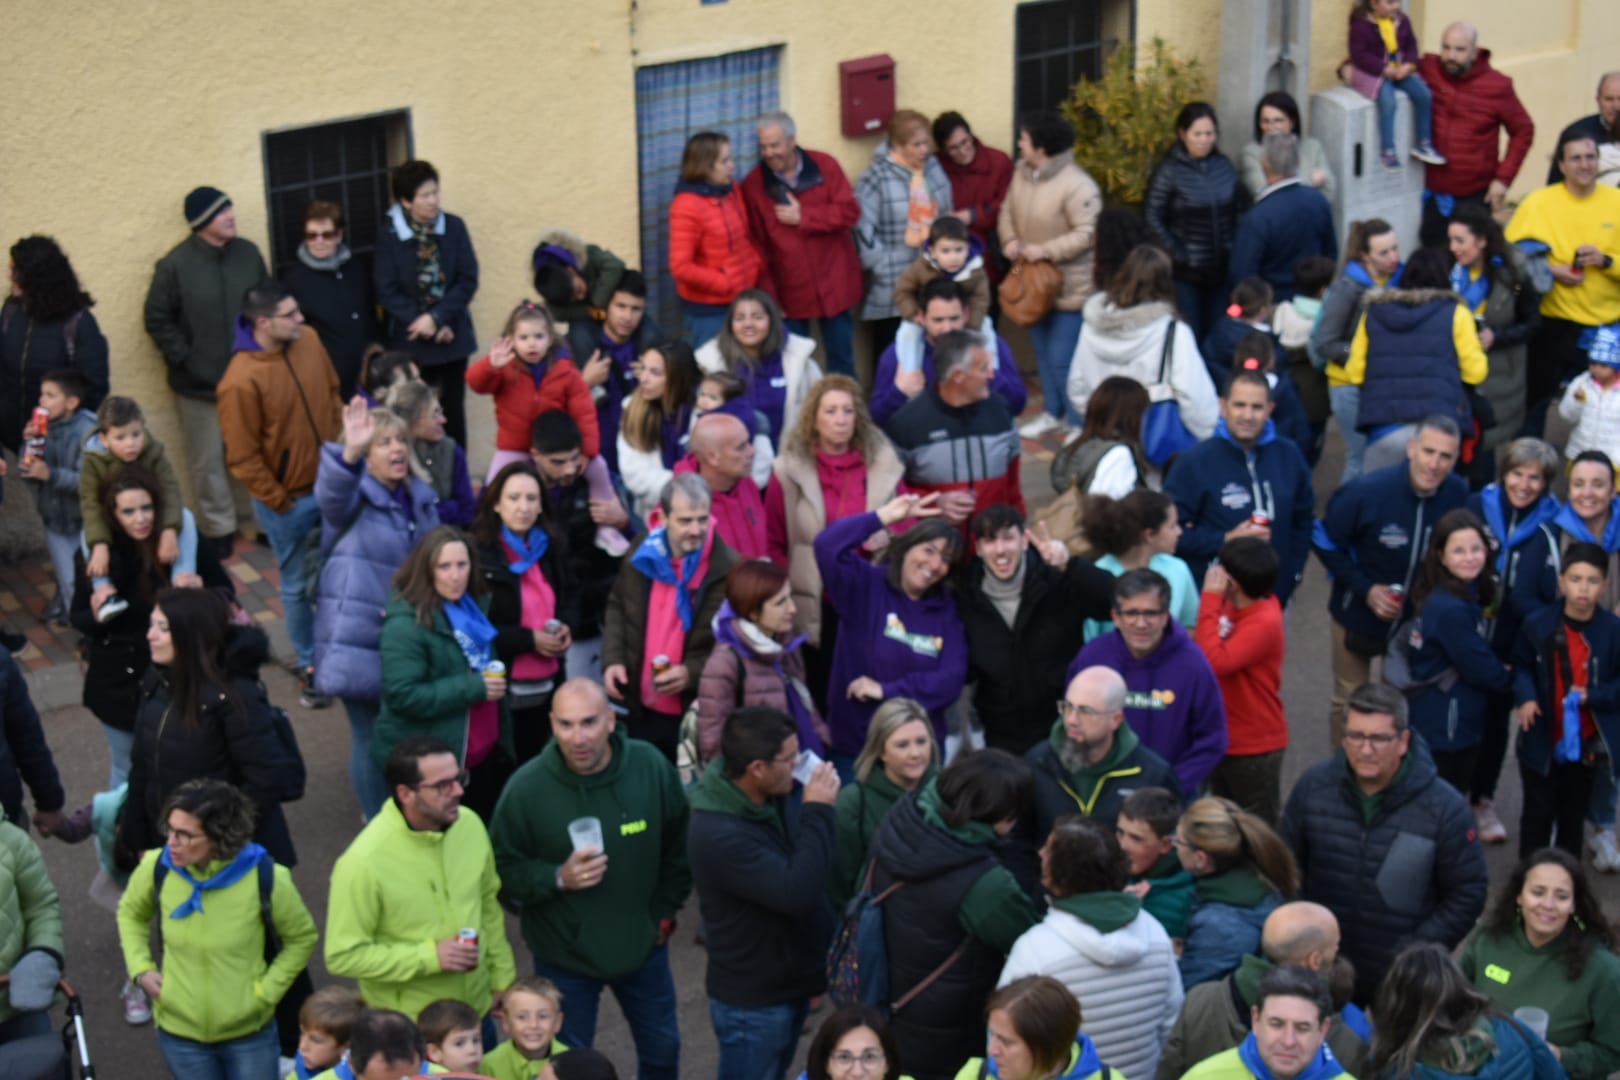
[1172, 700]
[887, 398]
[915, 648]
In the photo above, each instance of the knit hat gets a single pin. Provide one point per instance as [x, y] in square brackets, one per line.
[583, 1064]
[1605, 345]
[203, 205]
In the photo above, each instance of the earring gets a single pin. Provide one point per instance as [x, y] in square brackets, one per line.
[1580, 924]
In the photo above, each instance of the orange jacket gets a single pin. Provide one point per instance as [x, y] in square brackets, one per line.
[711, 253]
[518, 400]
[276, 408]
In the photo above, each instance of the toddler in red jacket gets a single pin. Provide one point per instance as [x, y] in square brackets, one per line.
[528, 371]
[1240, 630]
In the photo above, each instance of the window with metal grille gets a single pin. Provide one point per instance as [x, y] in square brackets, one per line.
[1058, 42]
[346, 162]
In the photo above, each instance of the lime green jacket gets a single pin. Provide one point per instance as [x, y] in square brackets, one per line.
[30, 910]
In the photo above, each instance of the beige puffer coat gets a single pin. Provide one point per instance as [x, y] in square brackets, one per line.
[1056, 206]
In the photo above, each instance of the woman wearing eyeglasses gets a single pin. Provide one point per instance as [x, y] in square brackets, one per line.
[440, 672]
[333, 289]
[853, 1041]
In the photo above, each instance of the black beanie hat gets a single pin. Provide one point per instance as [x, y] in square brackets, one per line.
[203, 205]
[583, 1064]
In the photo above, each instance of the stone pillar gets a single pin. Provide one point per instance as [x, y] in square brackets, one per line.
[1265, 46]
[1346, 124]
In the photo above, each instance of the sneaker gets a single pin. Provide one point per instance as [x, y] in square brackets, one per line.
[1391, 160]
[612, 541]
[1605, 853]
[1426, 153]
[308, 696]
[1491, 829]
[55, 613]
[1039, 426]
[115, 606]
[137, 1010]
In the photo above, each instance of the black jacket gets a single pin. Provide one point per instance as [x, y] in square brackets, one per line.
[24, 754]
[233, 740]
[1019, 670]
[338, 304]
[1414, 871]
[512, 638]
[1192, 209]
[29, 349]
[590, 570]
[395, 278]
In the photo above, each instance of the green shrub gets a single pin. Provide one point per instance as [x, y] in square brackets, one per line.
[1124, 121]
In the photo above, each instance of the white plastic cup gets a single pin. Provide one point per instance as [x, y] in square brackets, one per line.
[806, 766]
[586, 834]
[1533, 1017]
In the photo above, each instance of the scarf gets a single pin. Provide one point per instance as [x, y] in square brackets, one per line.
[674, 428]
[1358, 273]
[434, 463]
[335, 262]
[669, 607]
[538, 372]
[1322, 1066]
[246, 861]
[1473, 290]
[1005, 595]
[1568, 520]
[773, 652]
[472, 630]
[921, 207]
[526, 550]
[430, 283]
[1493, 500]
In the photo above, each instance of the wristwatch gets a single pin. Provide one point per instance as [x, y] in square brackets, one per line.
[1608, 261]
[562, 886]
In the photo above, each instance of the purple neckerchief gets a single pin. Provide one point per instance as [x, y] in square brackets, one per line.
[674, 435]
[547, 254]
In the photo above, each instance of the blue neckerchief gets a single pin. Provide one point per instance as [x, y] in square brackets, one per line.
[1356, 272]
[245, 862]
[1568, 520]
[1473, 290]
[529, 551]
[1568, 747]
[1083, 1059]
[653, 560]
[300, 1070]
[1443, 203]
[1492, 500]
[1267, 434]
[538, 372]
[472, 630]
[344, 1071]
[1322, 1066]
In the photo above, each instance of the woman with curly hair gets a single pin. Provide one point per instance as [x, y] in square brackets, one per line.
[1546, 942]
[45, 325]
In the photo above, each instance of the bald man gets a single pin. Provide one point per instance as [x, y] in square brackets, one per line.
[723, 454]
[599, 915]
[1473, 102]
[1216, 1016]
[1602, 127]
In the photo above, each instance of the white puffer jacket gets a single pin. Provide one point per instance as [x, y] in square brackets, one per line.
[1129, 342]
[1126, 981]
[1595, 414]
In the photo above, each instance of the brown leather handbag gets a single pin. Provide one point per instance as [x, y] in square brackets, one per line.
[1029, 290]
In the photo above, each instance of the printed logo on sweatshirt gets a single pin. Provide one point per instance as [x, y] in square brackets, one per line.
[1498, 973]
[1393, 536]
[1151, 699]
[1235, 496]
[921, 644]
[631, 828]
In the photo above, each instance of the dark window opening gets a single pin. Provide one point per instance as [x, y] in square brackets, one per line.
[1058, 43]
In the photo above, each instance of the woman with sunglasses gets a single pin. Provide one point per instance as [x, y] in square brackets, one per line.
[333, 290]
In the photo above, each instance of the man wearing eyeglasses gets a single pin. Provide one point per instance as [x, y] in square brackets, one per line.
[420, 874]
[1172, 699]
[278, 404]
[1382, 842]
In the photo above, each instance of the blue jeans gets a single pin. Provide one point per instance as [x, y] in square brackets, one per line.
[1415, 88]
[1346, 401]
[703, 320]
[837, 338]
[185, 564]
[370, 789]
[1200, 307]
[120, 744]
[647, 998]
[757, 1044]
[251, 1057]
[1601, 810]
[1054, 338]
[291, 532]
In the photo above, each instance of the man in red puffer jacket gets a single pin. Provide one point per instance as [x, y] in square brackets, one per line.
[1472, 103]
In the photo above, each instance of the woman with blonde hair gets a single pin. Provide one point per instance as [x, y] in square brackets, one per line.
[1241, 871]
[834, 462]
[436, 459]
[899, 757]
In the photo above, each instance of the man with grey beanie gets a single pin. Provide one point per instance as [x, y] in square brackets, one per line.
[191, 311]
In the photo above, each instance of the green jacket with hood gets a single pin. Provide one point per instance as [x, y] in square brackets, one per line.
[30, 910]
[862, 807]
[607, 931]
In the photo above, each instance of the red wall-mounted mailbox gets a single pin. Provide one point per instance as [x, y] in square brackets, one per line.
[866, 93]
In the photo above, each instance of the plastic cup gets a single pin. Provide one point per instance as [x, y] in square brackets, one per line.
[586, 834]
[1533, 1017]
[806, 765]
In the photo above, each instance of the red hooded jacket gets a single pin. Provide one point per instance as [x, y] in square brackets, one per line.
[1469, 114]
[811, 268]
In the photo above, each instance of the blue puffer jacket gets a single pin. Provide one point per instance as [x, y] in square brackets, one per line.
[1221, 932]
[1510, 532]
[1520, 1055]
[1453, 633]
[365, 535]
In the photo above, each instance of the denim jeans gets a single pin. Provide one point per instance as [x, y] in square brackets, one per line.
[1346, 402]
[185, 564]
[837, 339]
[251, 1057]
[1200, 307]
[291, 532]
[120, 744]
[703, 321]
[1415, 88]
[757, 1044]
[1054, 338]
[647, 998]
[62, 547]
[370, 789]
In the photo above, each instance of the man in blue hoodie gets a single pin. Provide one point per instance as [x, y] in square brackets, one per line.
[1172, 699]
[1244, 481]
[1371, 541]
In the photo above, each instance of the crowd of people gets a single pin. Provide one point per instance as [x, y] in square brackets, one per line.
[722, 620]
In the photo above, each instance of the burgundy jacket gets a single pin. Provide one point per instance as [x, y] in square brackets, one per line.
[1469, 114]
[811, 268]
[981, 187]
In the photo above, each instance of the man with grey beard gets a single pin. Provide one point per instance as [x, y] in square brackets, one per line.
[1088, 764]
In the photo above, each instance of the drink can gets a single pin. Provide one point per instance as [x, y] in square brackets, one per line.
[1397, 591]
[1262, 520]
[494, 667]
[553, 626]
[467, 935]
[660, 664]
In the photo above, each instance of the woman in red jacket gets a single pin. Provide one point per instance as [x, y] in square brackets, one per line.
[711, 254]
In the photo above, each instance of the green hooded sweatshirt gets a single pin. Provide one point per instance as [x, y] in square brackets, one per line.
[1171, 896]
[861, 809]
[1240, 886]
[1089, 781]
[995, 910]
[714, 792]
[606, 931]
[1105, 912]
